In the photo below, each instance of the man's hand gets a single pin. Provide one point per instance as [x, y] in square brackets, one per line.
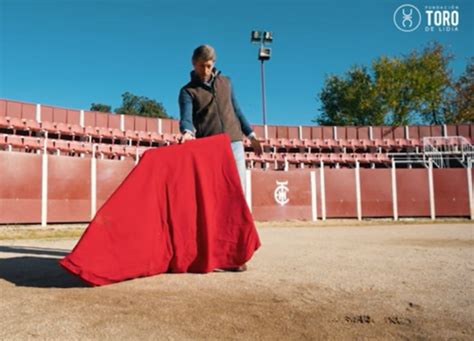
[257, 148]
[184, 137]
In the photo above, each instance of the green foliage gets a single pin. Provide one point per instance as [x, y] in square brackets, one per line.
[431, 81]
[413, 88]
[350, 100]
[460, 108]
[100, 107]
[403, 90]
[394, 91]
[141, 106]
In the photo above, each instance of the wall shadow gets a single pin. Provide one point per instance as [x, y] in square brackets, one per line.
[37, 272]
[32, 250]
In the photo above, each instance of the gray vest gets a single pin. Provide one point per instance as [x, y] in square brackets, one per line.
[213, 112]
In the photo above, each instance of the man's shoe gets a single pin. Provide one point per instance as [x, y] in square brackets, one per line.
[241, 268]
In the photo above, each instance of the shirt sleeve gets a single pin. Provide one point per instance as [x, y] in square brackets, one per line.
[244, 124]
[185, 112]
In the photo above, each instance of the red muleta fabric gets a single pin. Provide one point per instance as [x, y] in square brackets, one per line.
[180, 209]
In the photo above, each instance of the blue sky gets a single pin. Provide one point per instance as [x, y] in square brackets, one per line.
[72, 53]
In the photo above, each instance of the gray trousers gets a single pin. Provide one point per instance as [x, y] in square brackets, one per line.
[239, 156]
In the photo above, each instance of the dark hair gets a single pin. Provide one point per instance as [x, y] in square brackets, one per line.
[204, 52]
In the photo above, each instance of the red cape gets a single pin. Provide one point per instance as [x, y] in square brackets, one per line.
[181, 209]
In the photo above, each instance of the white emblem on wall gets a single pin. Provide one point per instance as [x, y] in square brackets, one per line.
[280, 193]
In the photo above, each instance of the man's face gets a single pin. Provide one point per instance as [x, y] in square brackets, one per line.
[203, 68]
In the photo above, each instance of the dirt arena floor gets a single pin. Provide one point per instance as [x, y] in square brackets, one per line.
[376, 281]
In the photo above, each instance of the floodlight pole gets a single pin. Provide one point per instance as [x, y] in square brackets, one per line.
[262, 37]
[262, 76]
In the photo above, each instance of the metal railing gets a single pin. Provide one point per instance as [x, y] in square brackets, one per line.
[442, 150]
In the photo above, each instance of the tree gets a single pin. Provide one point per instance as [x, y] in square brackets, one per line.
[413, 88]
[100, 107]
[393, 90]
[431, 81]
[398, 91]
[141, 106]
[461, 104]
[350, 100]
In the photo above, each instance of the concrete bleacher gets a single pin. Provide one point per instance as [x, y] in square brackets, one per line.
[80, 133]
[60, 165]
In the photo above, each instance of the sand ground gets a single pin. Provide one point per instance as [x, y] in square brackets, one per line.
[337, 282]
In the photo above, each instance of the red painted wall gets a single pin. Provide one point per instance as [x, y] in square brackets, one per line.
[20, 187]
[69, 189]
[413, 193]
[264, 205]
[451, 192]
[376, 192]
[340, 193]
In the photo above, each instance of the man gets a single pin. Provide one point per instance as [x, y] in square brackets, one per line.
[208, 106]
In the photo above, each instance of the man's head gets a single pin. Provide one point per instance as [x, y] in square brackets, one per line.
[204, 58]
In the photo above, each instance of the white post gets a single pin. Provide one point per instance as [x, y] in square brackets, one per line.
[445, 130]
[93, 182]
[300, 132]
[371, 133]
[358, 196]
[323, 191]
[81, 118]
[38, 112]
[44, 182]
[431, 188]
[407, 132]
[248, 188]
[314, 203]
[265, 131]
[469, 189]
[122, 122]
[160, 126]
[334, 132]
[394, 191]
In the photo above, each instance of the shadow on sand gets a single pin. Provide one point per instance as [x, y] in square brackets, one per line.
[37, 272]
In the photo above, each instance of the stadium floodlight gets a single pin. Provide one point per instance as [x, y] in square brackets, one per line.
[255, 37]
[264, 53]
[267, 37]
